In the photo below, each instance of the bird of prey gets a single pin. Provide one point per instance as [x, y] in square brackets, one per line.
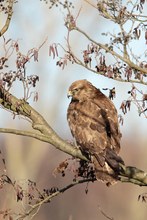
[93, 122]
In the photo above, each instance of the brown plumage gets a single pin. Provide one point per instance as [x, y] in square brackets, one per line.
[93, 121]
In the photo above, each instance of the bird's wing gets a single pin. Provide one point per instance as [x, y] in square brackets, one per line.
[88, 127]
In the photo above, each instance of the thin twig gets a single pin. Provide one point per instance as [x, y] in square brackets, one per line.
[104, 214]
[48, 198]
[124, 59]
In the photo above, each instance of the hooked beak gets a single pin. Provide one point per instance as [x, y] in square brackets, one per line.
[69, 94]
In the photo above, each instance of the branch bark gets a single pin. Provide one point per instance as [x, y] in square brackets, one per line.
[47, 134]
[8, 20]
[133, 175]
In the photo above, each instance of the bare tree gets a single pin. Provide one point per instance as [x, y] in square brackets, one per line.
[128, 67]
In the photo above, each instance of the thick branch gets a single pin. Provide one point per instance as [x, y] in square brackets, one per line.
[9, 16]
[21, 107]
[133, 175]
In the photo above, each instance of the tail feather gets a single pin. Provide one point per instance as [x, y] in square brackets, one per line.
[113, 160]
[109, 171]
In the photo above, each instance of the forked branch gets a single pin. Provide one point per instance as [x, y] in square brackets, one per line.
[47, 134]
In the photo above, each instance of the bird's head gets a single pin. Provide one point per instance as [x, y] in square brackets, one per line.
[80, 90]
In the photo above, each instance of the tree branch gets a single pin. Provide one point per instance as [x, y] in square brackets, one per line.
[79, 62]
[21, 107]
[9, 16]
[48, 198]
[128, 174]
[112, 52]
[133, 175]
[53, 140]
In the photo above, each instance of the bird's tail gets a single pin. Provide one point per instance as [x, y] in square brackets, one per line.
[113, 160]
[109, 171]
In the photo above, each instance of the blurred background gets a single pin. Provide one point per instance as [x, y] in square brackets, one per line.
[26, 158]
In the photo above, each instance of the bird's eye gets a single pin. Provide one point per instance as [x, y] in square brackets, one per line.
[75, 90]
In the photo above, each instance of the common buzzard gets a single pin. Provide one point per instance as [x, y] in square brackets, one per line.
[93, 122]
